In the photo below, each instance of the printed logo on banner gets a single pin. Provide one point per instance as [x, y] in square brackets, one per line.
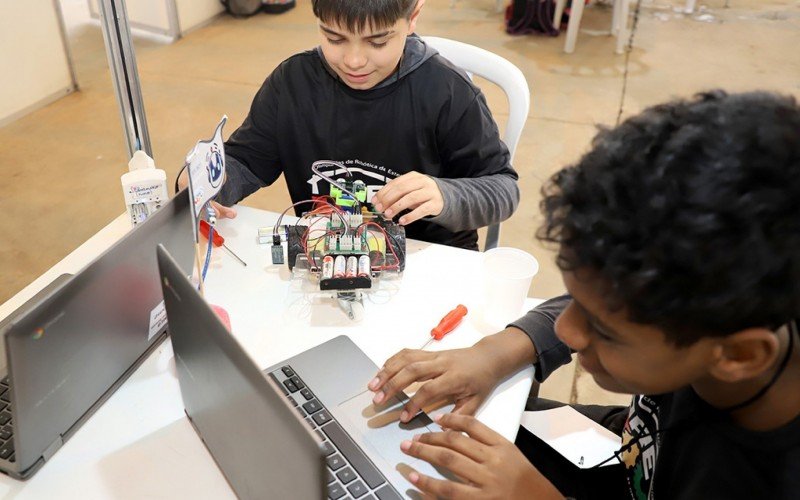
[216, 167]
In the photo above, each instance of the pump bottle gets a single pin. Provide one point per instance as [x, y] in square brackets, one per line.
[144, 187]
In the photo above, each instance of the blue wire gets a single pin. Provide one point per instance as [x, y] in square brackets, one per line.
[208, 251]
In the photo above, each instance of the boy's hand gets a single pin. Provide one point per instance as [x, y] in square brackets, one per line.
[222, 212]
[413, 191]
[490, 466]
[466, 376]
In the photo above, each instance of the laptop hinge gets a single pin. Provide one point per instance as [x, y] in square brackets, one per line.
[54, 446]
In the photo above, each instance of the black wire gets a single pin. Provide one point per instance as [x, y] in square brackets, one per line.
[792, 325]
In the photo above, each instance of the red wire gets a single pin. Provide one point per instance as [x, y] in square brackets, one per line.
[388, 245]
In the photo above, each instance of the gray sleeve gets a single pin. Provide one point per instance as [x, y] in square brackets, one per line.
[473, 202]
[240, 182]
[539, 324]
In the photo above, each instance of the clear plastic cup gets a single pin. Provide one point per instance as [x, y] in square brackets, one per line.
[507, 277]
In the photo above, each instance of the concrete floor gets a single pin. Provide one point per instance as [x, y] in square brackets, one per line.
[62, 163]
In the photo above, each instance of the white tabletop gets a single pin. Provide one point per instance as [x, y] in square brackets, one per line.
[140, 444]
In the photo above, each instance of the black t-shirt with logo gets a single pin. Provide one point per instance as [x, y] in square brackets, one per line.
[681, 447]
[432, 120]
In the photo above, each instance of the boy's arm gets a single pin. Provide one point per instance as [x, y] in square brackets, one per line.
[477, 182]
[539, 325]
[251, 152]
[240, 183]
[471, 203]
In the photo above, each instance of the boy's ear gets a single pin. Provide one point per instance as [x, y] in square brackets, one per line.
[745, 355]
[412, 21]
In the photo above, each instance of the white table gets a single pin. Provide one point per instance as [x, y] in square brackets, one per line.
[140, 444]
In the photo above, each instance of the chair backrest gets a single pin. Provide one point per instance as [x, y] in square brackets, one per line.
[477, 61]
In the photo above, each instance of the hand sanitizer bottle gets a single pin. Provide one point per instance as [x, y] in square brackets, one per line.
[144, 187]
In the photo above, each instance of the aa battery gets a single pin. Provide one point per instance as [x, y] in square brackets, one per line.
[339, 266]
[352, 267]
[327, 267]
[364, 268]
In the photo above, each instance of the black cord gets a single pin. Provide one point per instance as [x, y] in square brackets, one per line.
[177, 188]
[792, 325]
[792, 329]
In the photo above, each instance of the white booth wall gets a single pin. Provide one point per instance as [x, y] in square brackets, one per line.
[34, 64]
[154, 15]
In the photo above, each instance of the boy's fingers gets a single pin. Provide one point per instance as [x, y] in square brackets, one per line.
[455, 462]
[396, 189]
[410, 200]
[223, 212]
[456, 441]
[428, 393]
[421, 211]
[395, 364]
[439, 488]
[413, 372]
[467, 406]
[472, 426]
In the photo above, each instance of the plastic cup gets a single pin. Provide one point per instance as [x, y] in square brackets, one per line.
[507, 277]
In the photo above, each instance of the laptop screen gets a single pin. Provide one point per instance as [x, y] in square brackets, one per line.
[72, 348]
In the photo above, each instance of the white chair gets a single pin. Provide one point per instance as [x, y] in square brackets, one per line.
[619, 21]
[477, 61]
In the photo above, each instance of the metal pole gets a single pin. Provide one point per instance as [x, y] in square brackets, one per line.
[174, 21]
[124, 74]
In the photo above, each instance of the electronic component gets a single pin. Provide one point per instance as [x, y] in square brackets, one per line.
[339, 266]
[264, 235]
[327, 267]
[345, 243]
[277, 249]
[352, 267]
[340, 241]
[364, 268]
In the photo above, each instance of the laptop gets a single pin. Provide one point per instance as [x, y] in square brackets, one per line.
[303, 428]
[67, 349]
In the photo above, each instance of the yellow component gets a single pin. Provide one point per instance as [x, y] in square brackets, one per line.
[376, 241]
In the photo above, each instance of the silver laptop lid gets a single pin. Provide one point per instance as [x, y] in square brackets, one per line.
[69, 352]
[261, 445]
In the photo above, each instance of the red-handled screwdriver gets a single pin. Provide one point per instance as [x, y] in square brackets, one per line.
[447, 324]
[217, 240]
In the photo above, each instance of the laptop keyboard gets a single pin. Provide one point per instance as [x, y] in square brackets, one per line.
[351, 474]
[6, 429]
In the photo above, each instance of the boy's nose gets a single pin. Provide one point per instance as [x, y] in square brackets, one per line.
[571, 328]
[355, 60]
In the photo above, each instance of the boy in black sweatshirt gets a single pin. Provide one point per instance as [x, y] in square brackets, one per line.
[401, 118]
[678, 238]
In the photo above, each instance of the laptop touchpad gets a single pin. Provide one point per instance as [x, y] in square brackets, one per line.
[379, 433]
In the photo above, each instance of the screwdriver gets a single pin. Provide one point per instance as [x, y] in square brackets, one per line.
[217, 240]
[447, 324]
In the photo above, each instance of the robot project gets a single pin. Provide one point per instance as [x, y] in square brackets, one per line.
[341, 243]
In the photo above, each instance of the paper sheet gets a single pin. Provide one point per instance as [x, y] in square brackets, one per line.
[576, 437]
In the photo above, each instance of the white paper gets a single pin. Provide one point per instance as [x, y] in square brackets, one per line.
[158, 319]
[577, 438]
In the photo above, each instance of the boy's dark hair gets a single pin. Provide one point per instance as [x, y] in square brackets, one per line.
[690, 213]
[355, 15]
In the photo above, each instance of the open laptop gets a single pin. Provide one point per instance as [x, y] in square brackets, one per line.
[71, 346]
[304, 428]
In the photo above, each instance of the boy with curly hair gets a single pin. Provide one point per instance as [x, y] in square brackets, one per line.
[678, 239]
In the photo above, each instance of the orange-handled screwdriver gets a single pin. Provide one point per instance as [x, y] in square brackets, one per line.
[217, 239]
[449, 323]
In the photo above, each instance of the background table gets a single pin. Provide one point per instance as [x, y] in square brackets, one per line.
[140, 444]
